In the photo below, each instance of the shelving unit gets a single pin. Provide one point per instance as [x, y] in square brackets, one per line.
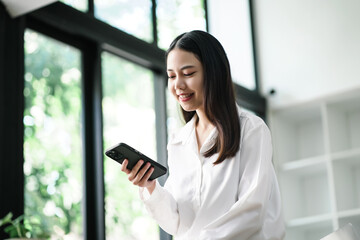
[317, 159]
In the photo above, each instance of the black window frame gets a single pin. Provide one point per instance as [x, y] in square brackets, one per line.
[91, 36]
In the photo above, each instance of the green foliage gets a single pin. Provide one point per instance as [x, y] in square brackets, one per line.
[127, 89]
[52, 124]
[20, 228]
[52, 146]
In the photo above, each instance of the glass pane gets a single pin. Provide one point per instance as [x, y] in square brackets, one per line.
[133, 17]
[81, 5]
[236, 40]
[52, 137]
[175, 17]
[128, 116]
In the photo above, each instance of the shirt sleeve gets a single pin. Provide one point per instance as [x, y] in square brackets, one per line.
[162, 207]
[256, 203]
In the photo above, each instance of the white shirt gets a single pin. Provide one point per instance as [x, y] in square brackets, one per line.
[237, 199]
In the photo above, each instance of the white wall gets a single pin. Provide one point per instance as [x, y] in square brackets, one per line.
[307, 48]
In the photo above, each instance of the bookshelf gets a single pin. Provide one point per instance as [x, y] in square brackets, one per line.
[317, 159]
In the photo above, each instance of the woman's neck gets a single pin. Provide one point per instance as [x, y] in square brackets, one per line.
[203, 128]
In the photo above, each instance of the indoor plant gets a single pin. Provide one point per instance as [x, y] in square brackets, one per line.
[19, 228]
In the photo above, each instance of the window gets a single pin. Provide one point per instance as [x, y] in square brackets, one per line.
[236, 39]
[128, 116]
[81, 5]
[175, 17]
[52, 136]
[133, 17]
[56, 138]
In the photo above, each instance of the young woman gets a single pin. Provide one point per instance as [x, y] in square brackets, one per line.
[221, 182]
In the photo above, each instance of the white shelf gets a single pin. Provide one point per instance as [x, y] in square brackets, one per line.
[303, 163]
[317, 158]
[318, 219]
[344, 128]
[346, 170]
[307, 188]
[354, 220]
[346, 154]
[349, 213]
[310, 230]
[295, 130]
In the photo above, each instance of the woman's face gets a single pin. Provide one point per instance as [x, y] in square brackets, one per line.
[185, 79]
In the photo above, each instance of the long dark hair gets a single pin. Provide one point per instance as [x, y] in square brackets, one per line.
[219, 96]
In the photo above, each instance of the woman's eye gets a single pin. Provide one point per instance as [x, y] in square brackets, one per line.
[171, 77]
[188, 74]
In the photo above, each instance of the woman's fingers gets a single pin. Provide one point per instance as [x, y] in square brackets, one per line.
[124, 166]
[141, 173]
[146, 177]
[135, 170]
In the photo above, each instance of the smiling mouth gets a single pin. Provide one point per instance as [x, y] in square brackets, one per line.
[185, 97]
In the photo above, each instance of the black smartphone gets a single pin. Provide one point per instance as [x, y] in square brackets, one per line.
[123, 151]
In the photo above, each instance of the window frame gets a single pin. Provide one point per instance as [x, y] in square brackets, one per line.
[91, 36]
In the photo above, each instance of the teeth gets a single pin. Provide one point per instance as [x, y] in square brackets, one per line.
[185, 95]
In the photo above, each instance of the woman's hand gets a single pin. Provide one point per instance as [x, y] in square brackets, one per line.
[140, 177]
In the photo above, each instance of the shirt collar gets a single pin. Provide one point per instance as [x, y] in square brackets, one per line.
[210, 141]
[185, 132]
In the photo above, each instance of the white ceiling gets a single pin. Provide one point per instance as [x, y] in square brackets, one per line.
[17, 8]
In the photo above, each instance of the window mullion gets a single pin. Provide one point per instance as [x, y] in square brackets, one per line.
[11, 108]
[254, 50]
[91, 8]
[206, 14]
[161, 131]
[94, 219]
[154, 22]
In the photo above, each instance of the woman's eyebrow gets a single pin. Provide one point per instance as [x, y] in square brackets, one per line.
[182, 68]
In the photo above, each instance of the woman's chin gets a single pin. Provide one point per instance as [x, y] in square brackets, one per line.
[187, 108]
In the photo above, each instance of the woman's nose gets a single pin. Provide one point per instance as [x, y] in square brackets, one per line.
[179, 83]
